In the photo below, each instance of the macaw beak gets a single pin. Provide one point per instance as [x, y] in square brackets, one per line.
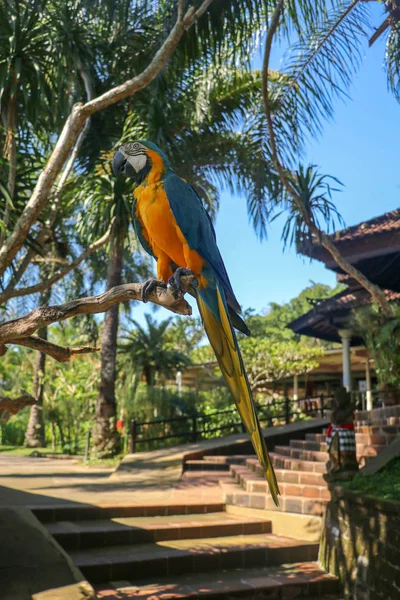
[119, 165]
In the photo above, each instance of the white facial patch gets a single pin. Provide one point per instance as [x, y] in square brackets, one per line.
[138, 162]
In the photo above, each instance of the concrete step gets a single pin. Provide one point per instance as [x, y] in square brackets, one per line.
[297, 580]
[72, 511]
[74, 535]
[309, 455]
[286, 462]
[287, 476]
[176, 557]
[235, 496]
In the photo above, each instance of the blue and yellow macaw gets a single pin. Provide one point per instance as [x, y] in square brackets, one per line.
[174, 227]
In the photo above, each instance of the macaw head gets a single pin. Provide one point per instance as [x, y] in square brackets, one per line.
[136, 159]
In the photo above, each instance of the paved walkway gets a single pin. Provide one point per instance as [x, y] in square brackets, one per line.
[27, 481]
[150, 478]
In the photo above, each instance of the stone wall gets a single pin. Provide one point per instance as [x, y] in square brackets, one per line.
[361, 545]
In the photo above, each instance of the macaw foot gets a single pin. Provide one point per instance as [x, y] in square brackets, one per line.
[149, 286]
[175, 280]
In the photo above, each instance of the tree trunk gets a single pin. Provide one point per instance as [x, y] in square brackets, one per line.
[35, 432]
[105, 437]
[10, 153]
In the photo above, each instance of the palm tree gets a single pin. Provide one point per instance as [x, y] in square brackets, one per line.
[149, 350]
[197, 116]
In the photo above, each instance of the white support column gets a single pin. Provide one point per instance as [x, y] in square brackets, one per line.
[295, 387]
[368, 382]
[345, 335]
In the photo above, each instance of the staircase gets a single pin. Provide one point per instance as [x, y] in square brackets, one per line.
[186, 552]
[299, 468]
[196, 548]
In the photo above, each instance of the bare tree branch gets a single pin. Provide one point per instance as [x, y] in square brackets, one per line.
[381, 29]
[377, 293]
[50, 260]
[14, 405]
[59, 353]
[73, 126]
[19, 331]
[60, 274]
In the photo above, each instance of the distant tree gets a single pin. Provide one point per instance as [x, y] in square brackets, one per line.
[273, 324]
[267, 361]
[149, 351]
[184, 334]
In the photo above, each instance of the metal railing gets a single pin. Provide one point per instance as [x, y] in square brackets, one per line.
[197, 427]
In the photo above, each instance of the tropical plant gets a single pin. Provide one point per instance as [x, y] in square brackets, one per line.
[268, 361]
[148, 351]
[382, 338]
[319, 67]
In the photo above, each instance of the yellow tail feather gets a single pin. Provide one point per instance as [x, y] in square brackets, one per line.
[223, 340]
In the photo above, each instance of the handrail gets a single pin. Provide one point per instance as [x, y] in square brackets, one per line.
[194, 433]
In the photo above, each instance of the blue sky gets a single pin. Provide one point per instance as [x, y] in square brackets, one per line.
[361, 148]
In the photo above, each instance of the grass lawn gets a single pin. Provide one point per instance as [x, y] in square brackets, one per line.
[384, 485]
[22, 451]
[92, 462]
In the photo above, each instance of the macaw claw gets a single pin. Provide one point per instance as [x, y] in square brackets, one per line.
[175, 280]
[149, 286]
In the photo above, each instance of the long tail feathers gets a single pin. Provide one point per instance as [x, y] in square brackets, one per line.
[223, 340]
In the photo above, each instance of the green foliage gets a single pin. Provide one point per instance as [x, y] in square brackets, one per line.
[315, 193]
[152, 353]
[268, 361]
[382, 338]
[384, 485]
[71, 390]
[184, 334]
[273, 325]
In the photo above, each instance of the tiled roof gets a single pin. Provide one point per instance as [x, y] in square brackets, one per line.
[389, 222]
[318, 321]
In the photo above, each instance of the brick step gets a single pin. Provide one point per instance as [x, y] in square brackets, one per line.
[308, 445]
[377, 436]
[204, 465]
[379, 414]
[297, 580]
[378, 429]
[236, 496]
[175, 557]
[77, 512]
[287, 476]
[232, 459]
[214, 463]
[74, 535]
[251, 483]
[286, 462]
[309, 455]
[384, 422]
[371, 447]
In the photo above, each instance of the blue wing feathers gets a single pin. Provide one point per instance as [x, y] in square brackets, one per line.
[197, 227]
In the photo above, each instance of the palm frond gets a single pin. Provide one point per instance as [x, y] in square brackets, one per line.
[319, 67]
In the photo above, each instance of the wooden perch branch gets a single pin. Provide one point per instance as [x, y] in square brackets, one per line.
[19, 331]
[76, 121]
[14, 405]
